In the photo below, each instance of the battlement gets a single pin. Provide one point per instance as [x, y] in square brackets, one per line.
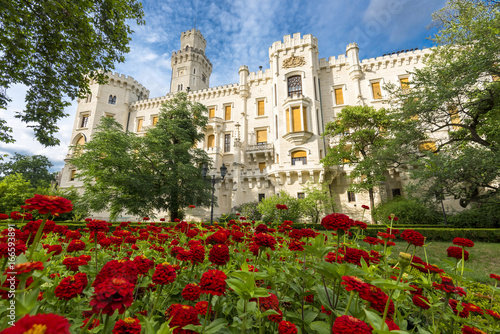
[260, 75]
[182, 55]
[124, 81]
[193, 38]
[292, 42]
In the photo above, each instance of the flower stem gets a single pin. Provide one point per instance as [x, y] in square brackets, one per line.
[89, 323]
[463, 262]
[386, 309]
[349, 302]
[209, 307]
[156, 302]
[38, 236]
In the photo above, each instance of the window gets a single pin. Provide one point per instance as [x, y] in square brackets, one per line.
[405, 86]
[301, 195]
[276, 127]
[377, 93]
[315, 93]
[294, 85]
[339, 96]
[211, 141]
[261, 137]
[261, 197]
[155, 120]
[299, 156]
[227, 142]
[194, 70]
[296, 123]
[204, 78]
[227, 113]
[112, 99]
[72, 175]
[260, 108]
[351, 197]
[211, 112]
[139, 124]
[89, 98]
[81, 141]
[396, 192]
[262, 165]
[454, 116]
[427, 146]
[277, 158]
[85, 120]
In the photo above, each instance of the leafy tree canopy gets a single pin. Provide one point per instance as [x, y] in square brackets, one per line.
[454, 104]
[14, 190]
[54, 47]
[34, 169]
[141, 175]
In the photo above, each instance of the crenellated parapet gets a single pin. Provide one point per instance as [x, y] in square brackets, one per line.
[260, 76]
[123, 81]
[292, 43]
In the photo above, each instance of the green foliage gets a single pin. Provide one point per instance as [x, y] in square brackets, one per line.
[34, 169]
[454, 93]
[54, 47]
[408, 211]
[267, 207]
[14, 190]
[317, 202]
[141, 175]
[484, 215]
[249, 210]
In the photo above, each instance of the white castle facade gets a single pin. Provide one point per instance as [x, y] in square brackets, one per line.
[267, 127]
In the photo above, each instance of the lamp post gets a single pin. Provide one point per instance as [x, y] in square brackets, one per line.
[204, 171]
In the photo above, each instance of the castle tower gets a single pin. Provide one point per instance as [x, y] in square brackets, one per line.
[109, 100]
[190, 66]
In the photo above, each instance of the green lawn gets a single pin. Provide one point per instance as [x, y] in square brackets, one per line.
[484, 258]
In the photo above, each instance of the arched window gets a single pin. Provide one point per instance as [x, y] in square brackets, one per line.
[299, 156]
[114, 99]
[210, 141]
[110, 99]
[89, 98]
[80, 141]
[294, 85]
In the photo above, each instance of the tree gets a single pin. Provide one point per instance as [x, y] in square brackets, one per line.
[449, 122]
[54, 48]
[141, 175]
[267, 207]
[14, 190]
[318, 202]
[360, 134]
[34, 169]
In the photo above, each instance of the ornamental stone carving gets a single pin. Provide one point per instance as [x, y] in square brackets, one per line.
[293, 62]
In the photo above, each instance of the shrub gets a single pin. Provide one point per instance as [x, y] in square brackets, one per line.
[269, 212]
[248, 210]
[486, 215]
[409, 211]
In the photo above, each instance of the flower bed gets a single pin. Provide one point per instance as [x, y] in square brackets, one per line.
[243, 278]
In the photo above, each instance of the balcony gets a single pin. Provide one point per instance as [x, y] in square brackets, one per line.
[267, 149]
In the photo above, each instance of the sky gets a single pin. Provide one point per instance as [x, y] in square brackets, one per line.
[240, 32]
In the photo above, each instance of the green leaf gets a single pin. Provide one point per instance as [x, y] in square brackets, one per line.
[320, 327]
[309, 316]
[215, 326]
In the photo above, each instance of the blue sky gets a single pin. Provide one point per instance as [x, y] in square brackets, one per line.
[239, 32]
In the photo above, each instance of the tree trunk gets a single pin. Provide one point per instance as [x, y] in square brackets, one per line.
[372, 204]
[174, 214]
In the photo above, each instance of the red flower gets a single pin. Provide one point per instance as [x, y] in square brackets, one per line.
[269, 303]
[24, 269]
[94, 323]
[352, 283]
[456, 252]
[281, 207]
[347, 324]
[463, 242]
[197, 253]
[213, 282]
[97, 225]
[40, 323]
[72, 263]
[448, 287]
[386, 236]
[56, 249]
[493, 314]
[360, 225]
[75, 246]
[296, 246]
[336, 221]
[276, 317]
[143, 264]
[219, 237]
[354, 256]
[3, 216]
[377, 299]
[164, 274]
[192, 206]
[113, 294]
[473, 308]
[421, 302]
[219, 254]
[114, 268]
[191, 292]
[19, 248]
[286, 327]
[471, 330]
[366, 207]
[372, 240]
[127, 326]
[264, 240]
[413, 237]
[180, 316]
[71, 286]
[202, 307]
[45, 204]
[184, 255]
[453, 304]
[495, 276]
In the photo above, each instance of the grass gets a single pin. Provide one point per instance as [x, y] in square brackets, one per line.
[483, 260]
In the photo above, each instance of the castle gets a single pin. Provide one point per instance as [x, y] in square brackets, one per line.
[267, 127]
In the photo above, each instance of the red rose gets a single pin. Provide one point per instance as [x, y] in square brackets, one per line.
[113, 294]
[191, 292]
[40, 323]
[336, 221]
[463, 242]
[127, 326]
[213, 282]
[219, 254]
[347, 324]
[413, 237]
[164, 274]
[180, 316]
[45, 204]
